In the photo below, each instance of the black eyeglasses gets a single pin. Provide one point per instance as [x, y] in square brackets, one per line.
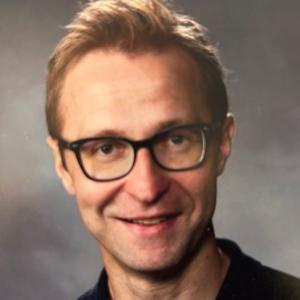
[109, 158]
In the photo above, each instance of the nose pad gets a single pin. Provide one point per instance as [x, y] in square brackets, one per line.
[147, 182]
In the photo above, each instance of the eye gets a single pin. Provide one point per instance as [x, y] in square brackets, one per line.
[177, 139]
[106, 149]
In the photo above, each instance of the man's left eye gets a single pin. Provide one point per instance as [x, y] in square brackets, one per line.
[177, 139]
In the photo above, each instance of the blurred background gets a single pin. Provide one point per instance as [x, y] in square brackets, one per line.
[45, 253]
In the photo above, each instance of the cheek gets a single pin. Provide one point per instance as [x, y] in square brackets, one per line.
[94, 195]
[200, 186]
[93, 198]
[89, 193]
[204, 191]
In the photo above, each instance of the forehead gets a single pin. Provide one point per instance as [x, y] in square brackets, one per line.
[112, 90]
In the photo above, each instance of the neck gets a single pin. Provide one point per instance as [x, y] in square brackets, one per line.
[199, 277]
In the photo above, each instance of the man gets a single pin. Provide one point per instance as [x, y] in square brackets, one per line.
[139, 126]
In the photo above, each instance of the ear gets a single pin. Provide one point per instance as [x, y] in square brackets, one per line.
[61, 171]
[225, 142]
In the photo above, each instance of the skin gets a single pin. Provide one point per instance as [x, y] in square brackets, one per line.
[137, 96]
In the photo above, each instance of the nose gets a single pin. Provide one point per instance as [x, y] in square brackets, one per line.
[147, 182]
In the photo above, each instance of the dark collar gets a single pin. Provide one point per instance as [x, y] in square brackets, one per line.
[241, 281]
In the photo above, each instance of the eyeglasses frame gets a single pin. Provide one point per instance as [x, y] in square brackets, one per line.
[207, 129]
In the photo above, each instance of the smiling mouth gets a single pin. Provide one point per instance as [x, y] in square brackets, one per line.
[149, 221]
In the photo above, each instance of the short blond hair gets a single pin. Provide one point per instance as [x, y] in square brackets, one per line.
[133, 26]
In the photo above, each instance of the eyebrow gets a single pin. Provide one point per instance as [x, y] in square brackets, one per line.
[164, 125]
[159, 127]
[109, 133]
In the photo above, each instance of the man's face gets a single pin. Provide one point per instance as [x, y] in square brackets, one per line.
[136, 97]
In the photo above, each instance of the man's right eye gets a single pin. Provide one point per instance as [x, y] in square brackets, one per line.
[100, 148]
[105, 149]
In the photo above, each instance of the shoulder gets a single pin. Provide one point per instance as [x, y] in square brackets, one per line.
[249, 279]
[99, 291]
[87, 295]
[282, 285]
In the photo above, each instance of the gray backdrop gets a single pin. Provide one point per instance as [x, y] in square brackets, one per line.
[45, 252]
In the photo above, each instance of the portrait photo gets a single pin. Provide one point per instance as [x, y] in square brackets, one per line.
[147, 143]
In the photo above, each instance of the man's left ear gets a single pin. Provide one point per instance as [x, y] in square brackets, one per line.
[225, 142]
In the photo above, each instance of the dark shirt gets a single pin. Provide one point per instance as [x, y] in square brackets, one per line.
[246, 279]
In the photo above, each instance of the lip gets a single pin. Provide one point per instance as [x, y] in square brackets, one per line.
[150, 225]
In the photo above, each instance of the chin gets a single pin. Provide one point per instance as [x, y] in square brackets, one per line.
[153, 265]
[159, 263]
[166, 268]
